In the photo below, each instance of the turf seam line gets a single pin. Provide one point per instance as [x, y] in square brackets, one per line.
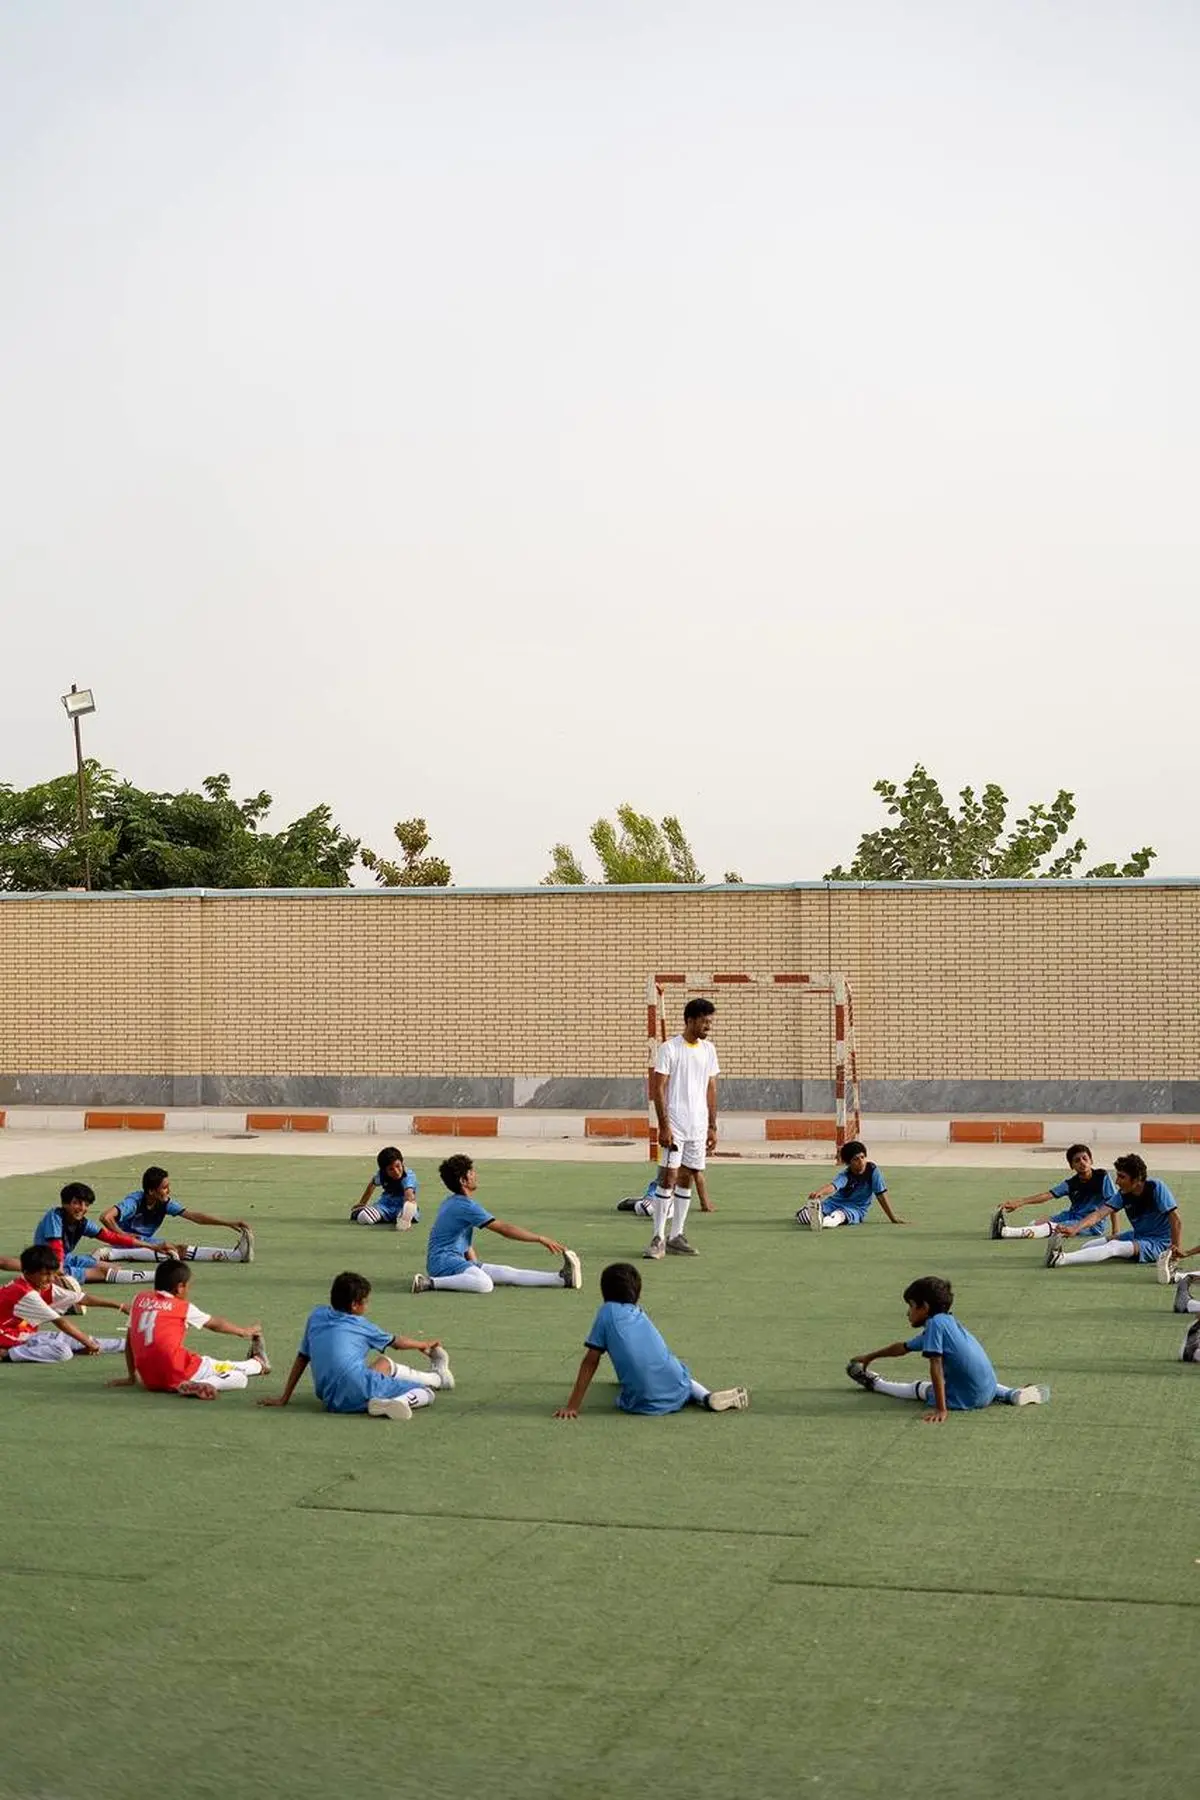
[398, 1512]
[981, 1593]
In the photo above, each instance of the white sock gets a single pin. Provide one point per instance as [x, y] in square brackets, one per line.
[409, 1211]
[369, 1215]
[682, 1201]
[833, 1219]
[129, 1275]
[700, 1394]
[1193, 1306]
[503, 1276]
[131, 1256]
[902, 1390]
[423, 1378]
[1105, 1252]
[662, 1204]
[1042, 1229]
[419, 1396]
[208, 1253]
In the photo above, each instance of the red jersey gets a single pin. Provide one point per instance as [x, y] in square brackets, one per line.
[22, 1310]
[157, 1323]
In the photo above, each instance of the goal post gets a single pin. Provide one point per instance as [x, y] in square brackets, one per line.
[831, 984]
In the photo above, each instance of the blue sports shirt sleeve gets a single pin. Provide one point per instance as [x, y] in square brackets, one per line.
[1061, 1189]
[597, 1337]
[878, 1181]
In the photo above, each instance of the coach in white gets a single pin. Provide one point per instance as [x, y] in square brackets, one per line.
[684, 1091]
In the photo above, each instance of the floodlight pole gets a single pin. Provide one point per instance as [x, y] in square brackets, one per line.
[82, 784]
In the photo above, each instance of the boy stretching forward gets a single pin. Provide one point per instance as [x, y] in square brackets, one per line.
[1084, 1190]
[961, 1379]
[846, 1200]
[143, 1214]
[156, 1354]
[652, 1380]
[1153, 1214]
[39, 1297]
[451, 1259]
[349, 1373]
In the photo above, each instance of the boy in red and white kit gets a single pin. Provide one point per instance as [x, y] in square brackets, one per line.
[155, 1351]
[39, 1296]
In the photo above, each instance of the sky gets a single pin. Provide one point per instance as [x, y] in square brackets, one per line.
[498, 410]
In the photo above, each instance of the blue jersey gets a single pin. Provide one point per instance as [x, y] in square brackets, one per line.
[337, 1345]
[970, 1377]
[54, 1227]
[1148, 1215]
[1083, 1197]
[450, 1234]
[390, 1204]
[652, 1380]
[142, 1217]
[853, 1194]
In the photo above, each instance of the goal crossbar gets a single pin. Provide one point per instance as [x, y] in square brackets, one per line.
[847, 1115]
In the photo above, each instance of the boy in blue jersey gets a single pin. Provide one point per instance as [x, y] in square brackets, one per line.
[397, 1202]
[652, 1380]
[643, 1204]
[144, 1213]
[1084, 1190]
[846, 1200]
[1154, 1230]
[66, 1227]
[961, 1379]
[451, 1258]
[349, 1373]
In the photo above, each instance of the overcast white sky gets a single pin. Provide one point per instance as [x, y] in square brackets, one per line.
[500, 409]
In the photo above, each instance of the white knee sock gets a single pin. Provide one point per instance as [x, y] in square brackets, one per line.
[209, 1253]
[662, 1204]
[129, 1275]
[1193, 1306]
[1104, 1252]
[370, 1215]
[700, 1394]
[681, 1205]
[474, 1280]
[1026, 1231]
[422, 1378]
[503, 1276]
[833, 1219]
[903, 1390]
[419, 1396]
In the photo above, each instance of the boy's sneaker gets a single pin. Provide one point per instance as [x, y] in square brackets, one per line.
[728, 1400]
[628, 1205]
[1191, 1343]
[390, 1409]
[655, 1250]
[997, 1226]
[196, 1390]
[679, 1246]
[1055, 1250]
[1030, 1396]
[571, 1271]
[864, 1377]
[439, 1362]
[1164, 1268]
[816, 1215]
[259, 1349]
[244, 1250]
[421, 1284]
[1183, 1293]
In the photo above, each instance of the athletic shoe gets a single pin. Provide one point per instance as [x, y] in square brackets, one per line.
[1054, 1250]
[1191, 1343]
[816, 1215]
[245, 1246]
[655, 1250]
[728, 1400]
[439, 1362]
[390, 1409]
[1183, 1294]
[997, 1227]
[197, 1390]
[628, 1205]
[679, 1246]
[259, 1349]
[1030, 1396]
[421, 1284]
[1164, 1268]
[571, 1271]
[864, 1377]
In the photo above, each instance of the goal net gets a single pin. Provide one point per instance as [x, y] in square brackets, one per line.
[778, 1053]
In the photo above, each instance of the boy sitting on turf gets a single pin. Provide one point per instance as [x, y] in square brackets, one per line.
[643, 1204]
[155, 1351]
[1153, 1216]
[338, 1340]
[1084, 1189]
[451, 1260]
[397, 1202]
[65, 1227]
[846, 1200]
[961, 1379]
[39, 1297]
[144, 1213]
[652, 1380]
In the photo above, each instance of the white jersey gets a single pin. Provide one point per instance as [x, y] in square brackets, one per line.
[688, 1068]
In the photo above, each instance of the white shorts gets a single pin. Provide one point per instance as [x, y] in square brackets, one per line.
[685, 1152]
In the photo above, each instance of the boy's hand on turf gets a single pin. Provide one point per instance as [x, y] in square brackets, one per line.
[938, 1416]
[567, 1412]
[273, 1400]
[121, 1381]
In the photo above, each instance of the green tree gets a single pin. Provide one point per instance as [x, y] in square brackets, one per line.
[41, 846]
[930, 843]
[632, 849]
[416, 869]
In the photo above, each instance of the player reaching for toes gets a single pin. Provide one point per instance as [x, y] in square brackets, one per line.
[156, 1355]
[961, 1378]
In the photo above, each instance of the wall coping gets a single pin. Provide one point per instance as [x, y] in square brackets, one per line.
[602, 890]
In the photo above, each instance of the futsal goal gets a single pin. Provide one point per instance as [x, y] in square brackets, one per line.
[762, 1031]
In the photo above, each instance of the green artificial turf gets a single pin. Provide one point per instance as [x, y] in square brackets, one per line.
[821, 1595]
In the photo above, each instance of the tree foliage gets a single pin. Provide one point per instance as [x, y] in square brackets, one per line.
[632, 849]
[416, 869]
[929, 842]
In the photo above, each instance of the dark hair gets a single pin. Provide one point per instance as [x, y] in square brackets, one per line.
[930, 1291]
[1133, 1166]
[387, 1157]
[77, 1190]
[622, 1283]
[347, 1290]
[454, 1172]
[849, 1151]
[699, 1009]
[1078, 1150]
[39, 1259]
[152, 1179]
[171, 1275]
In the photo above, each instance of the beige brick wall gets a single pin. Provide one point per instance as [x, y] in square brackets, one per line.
[1070, 982]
